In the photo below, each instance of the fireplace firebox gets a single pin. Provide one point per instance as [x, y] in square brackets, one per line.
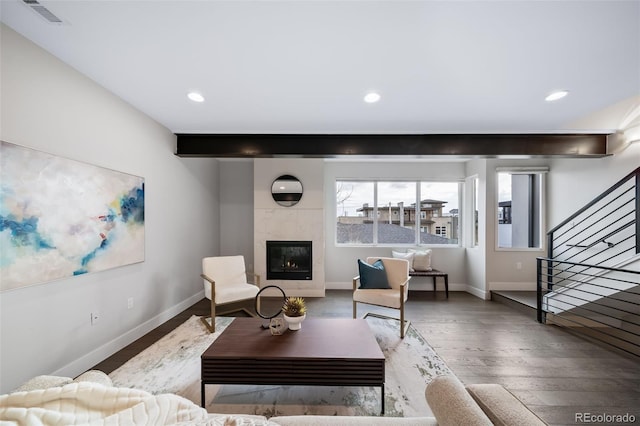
[289, 260]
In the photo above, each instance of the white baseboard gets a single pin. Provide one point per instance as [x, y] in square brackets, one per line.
[482, 294]
[98, 355]
[428, 286]
[339, 286]
[513, 286]
[414, 286]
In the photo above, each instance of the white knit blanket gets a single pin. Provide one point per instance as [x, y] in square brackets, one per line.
[86, 403]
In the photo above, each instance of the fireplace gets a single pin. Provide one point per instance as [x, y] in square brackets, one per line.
[289, 260]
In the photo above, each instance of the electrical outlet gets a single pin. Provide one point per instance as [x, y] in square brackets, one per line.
[130, 303]
[518, 265]
[95, 317]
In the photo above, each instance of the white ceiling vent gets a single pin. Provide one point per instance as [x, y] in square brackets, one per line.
[43, 11]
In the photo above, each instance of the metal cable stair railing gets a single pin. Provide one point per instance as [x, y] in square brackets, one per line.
[600, 302]
[590, 280]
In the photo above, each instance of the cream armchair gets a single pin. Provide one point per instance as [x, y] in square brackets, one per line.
[398, 277]
[225, 281]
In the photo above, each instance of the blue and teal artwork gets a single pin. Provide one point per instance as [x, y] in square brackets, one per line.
[60, 217]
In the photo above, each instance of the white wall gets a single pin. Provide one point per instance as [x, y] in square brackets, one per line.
[475, 259]
[342, 261]
[574, 183]
[303, 221]
[45, 329]
[236, 209]
[502, 264]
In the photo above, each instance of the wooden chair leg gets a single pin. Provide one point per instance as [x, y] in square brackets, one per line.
[402, 317]
[213, 307]
[404, 325]
[211, 326]
[354, 283]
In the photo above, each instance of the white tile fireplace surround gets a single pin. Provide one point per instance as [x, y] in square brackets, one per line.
[302, 222]
[291, 225]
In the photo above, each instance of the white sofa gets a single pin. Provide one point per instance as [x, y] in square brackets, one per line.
[90, 399]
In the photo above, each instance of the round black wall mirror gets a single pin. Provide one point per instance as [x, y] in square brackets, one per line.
[286, 190]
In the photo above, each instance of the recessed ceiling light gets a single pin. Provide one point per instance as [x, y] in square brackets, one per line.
[371, 97]
[195, 97]
[554, 96]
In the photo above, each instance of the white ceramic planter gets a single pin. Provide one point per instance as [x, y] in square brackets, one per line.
[295, 323]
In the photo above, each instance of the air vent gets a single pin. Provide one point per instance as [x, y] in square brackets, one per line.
[42, 11]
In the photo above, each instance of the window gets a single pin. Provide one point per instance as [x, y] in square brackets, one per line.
[393, 197]
[355, 212]
[405, 212]
[519, 217]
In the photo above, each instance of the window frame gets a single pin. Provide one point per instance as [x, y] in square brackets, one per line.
[416, 243]
[475, 211]
[542, 171]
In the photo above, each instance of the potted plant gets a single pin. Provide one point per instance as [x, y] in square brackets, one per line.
[295, 311]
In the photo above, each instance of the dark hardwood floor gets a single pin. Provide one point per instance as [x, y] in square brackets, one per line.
[555, 373]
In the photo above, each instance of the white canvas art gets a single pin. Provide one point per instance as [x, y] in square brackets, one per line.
[60, 217]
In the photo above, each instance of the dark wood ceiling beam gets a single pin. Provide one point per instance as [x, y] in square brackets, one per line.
[331, 145]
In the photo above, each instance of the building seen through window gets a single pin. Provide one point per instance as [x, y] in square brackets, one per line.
[520, 209]
[389, 213]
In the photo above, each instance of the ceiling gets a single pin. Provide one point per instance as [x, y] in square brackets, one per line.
[305, 66]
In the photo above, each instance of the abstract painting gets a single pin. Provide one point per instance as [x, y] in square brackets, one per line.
[60, 217]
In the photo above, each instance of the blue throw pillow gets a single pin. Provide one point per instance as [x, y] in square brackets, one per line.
[372, 276]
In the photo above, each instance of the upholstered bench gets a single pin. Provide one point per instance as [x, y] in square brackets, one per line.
[435, 274]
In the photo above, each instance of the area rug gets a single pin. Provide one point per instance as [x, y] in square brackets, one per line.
[172, 365]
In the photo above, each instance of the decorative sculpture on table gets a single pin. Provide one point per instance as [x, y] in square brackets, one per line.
[276, 325]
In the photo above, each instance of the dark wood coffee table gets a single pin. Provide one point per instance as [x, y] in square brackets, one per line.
[325, 352]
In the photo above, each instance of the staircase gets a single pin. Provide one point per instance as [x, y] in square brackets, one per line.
[590, 280]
